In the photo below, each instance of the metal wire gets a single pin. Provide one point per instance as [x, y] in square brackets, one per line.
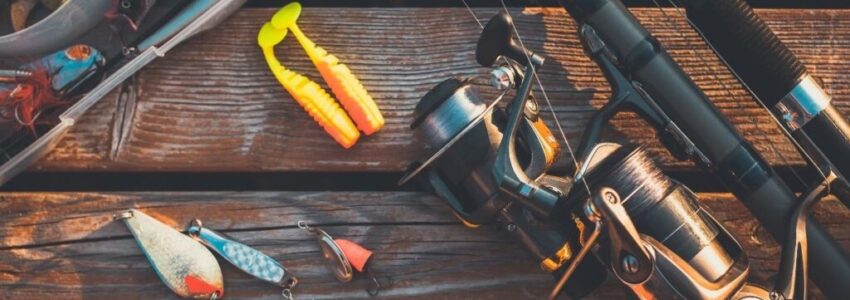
[540, 85]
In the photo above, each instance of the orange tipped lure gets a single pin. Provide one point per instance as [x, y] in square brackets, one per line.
[312, 97]
[357, 255]
[345, 86]
[183, 264]
[343, 256]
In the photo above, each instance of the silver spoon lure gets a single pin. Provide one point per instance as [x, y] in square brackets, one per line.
[184, 265]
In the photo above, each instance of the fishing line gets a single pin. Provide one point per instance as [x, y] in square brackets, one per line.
[457, 137]
[542, 90]
[473, 14]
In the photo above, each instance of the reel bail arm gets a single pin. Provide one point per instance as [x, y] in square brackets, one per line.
[508, 173]
[630, 261]
[497, 40]
[792, 279]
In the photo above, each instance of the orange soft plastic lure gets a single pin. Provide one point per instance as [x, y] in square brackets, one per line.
[310, 95]
[345, 86]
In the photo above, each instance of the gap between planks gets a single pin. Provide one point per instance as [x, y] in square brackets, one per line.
[67, 244]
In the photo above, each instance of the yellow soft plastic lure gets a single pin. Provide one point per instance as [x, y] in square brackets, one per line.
[310, 95]
[347, 88]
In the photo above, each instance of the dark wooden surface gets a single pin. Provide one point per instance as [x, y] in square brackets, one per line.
[66, 245]
[211, 105]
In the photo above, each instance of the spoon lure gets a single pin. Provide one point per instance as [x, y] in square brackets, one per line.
[183, 264]
[247, 259]
[344, 256]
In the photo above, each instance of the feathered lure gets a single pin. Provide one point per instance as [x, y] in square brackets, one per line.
[43, 83]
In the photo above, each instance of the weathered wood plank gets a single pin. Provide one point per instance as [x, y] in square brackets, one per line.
[66, 245]
[212, 105]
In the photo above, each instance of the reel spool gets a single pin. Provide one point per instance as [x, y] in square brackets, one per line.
[689, 253]
[452, 118]
[467, 132]
[446, 110]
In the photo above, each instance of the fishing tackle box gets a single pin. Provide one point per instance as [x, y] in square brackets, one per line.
[168, 24]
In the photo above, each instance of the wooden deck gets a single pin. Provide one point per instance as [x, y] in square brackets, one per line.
[211, 105]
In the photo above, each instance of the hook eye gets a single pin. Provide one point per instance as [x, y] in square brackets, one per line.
[303, 225]
[287, 294]
[195, 227]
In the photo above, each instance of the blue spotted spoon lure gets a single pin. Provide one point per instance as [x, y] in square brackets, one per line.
[247, 259]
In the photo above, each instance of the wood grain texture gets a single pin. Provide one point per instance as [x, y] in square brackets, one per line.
[212, 105]
[75, 250]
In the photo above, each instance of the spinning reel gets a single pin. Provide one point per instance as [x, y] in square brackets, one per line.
[492, 165]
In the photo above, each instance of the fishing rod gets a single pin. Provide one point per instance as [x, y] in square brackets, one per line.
[655, 87]
[779, 82]
[648, 230]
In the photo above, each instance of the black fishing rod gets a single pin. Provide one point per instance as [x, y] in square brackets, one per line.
[646, 79]
[491, 168]
[779, 81]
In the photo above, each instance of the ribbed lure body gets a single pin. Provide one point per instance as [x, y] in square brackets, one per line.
[245, 258]
[345, 86]
[183, 264]
[310, 95]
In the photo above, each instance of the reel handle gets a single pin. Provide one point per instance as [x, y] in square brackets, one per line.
[497, 39]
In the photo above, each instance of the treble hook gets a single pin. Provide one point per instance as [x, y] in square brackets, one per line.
[374, 289]
[214, 296]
